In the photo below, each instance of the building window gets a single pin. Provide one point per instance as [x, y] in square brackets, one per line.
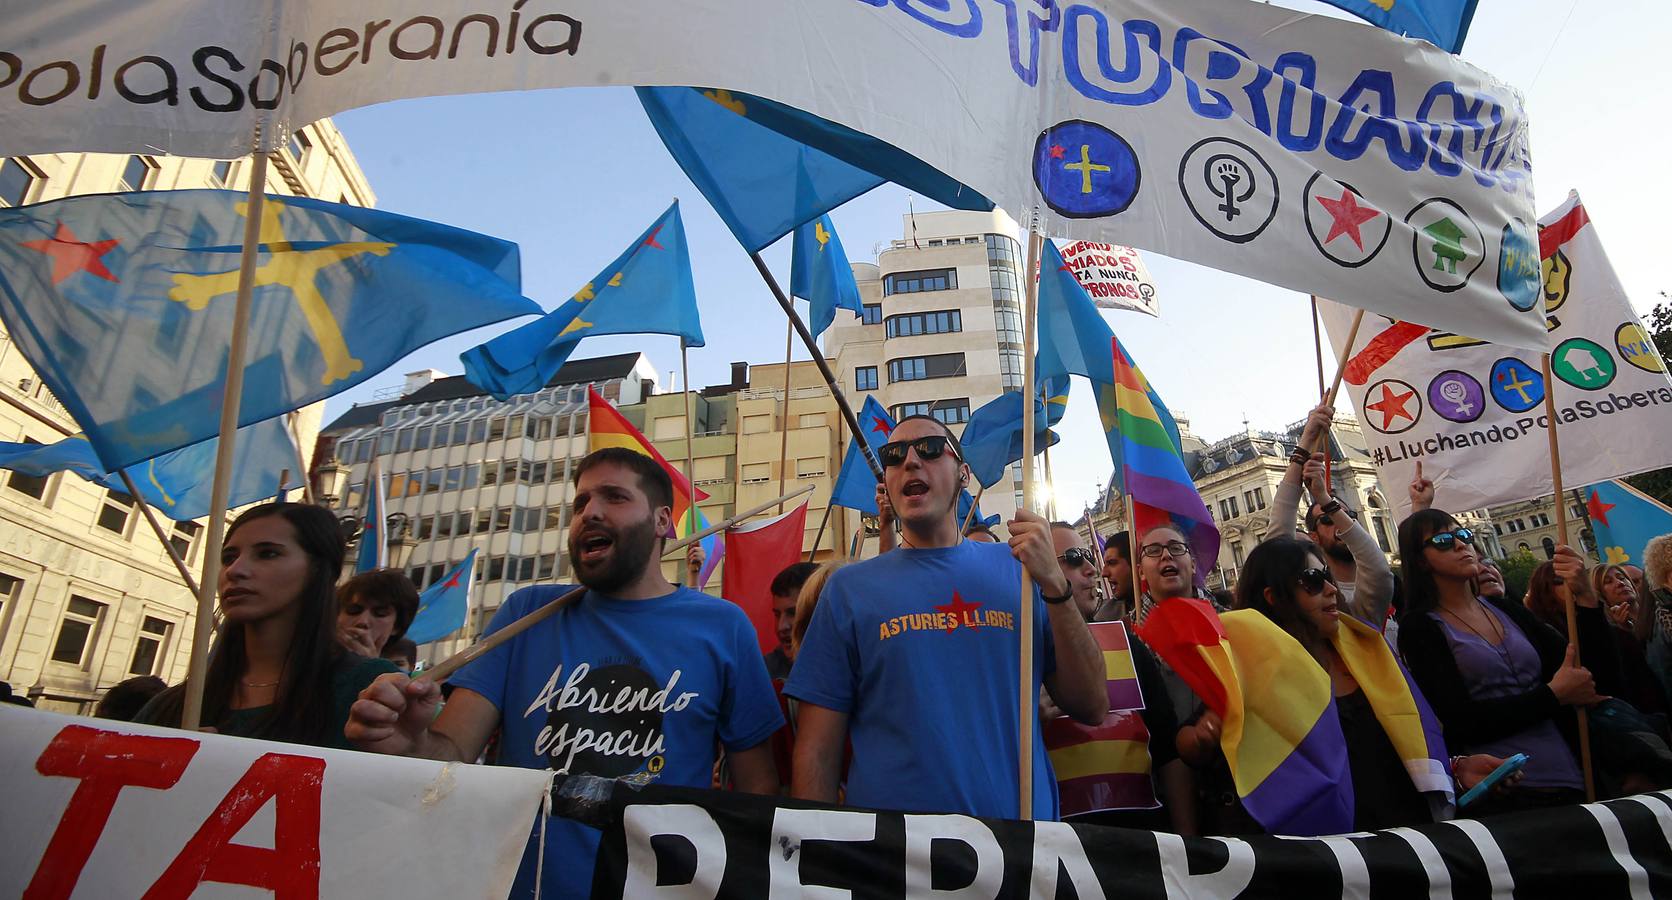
[421, 440]
[34, 486]
[1254, 499]
[903, 410]
[9, 589]
[18, 180]
[77, 632]
[951, 412]
[918, 368]
[548, 566]
[117, 509]
[185, 534]
[865, 378]
[496, 568]
[872, 314]
[426, 528]
[917, 282]
[221, 173]
[148, 649]
[490, 473]
[502, 518]
[757, 473]
[135, 174]
[810, 467]
[403, 440]
[1228, 510]
[943, 322]
[299, 145]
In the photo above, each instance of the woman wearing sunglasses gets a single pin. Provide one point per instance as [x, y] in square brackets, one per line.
[1499, 680]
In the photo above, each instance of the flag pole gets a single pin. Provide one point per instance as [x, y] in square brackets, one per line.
[690, 439]
[818, 358]
[284, 481]
[301, 458]
[1317, 346]
[233, 395]
[1050, 483]
[1132, 558]
[440, 672]
[823, 523]
[974, 502]
[784, 445]
[1340, 370]
[1027, 709]
[157, 529]
[1566, 592]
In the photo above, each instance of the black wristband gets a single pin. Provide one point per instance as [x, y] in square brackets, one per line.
[1054, 601]
[1330, 508]
[1300, 457]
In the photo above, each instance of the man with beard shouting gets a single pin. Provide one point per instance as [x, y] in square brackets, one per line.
[915, 653]
[1360, 570]
[638, 678]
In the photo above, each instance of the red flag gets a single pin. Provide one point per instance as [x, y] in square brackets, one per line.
[755, 554]
[1174, 629]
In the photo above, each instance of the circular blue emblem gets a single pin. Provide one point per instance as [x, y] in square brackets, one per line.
[1084, 170]
[1516, 386]
[1519, 275]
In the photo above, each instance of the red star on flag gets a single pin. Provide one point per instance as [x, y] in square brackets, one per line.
[1346, 216]
[958, 609]
[1598, 509]
[1057, 152]
[877, 424]
[1392, 405]
[650, 239]
[70, 256]
[452, 582]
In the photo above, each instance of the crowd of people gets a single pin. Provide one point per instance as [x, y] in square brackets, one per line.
[895, 682]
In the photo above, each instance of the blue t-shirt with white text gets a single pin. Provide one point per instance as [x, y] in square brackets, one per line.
[919, 648]
[617, 688]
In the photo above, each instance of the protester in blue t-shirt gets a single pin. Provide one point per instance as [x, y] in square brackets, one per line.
[638, 678]
[916, 653]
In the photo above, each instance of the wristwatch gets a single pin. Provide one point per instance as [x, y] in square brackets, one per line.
[1330, 508]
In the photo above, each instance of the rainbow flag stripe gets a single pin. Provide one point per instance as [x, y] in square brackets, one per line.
[1143, 439]
[607, 427]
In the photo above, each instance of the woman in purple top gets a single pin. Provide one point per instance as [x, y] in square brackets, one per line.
[1500, 682]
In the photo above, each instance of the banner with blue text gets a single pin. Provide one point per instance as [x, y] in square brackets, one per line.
[1321, 155]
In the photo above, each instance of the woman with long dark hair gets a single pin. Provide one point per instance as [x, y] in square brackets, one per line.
[276, 670]
[1500, 681]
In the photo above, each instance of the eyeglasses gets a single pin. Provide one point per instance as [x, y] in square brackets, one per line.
[1313, 580]
[1446, 540]
[893, 453]
[1078, 556]
[1176, 549]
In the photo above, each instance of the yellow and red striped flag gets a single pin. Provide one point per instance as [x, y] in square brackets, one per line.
[1107, 766]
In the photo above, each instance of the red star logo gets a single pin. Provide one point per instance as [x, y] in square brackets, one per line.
[1346, 216]
[70, 256]
[1392, 405]
[452, 582]
[959, 611]
[650, 239]
[1057, 152]
[878, 424]
[1598, 509]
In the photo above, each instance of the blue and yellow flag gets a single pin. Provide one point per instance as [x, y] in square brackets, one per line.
[124, 305]
[992, 438]
[1623, 519]
[856, 484]
[766, 168]
[1443, 23]
[177, 484]
[820, 274]
[648, 289]
[444, 606]
[374, 538]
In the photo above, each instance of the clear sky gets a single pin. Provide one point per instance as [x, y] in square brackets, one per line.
[574, 175]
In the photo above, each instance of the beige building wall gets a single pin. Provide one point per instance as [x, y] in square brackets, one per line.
[1530, 525]
[980, 260]
[88, 596]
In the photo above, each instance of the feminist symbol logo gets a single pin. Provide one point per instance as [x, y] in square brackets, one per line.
[1457, 396]
[1229, 188]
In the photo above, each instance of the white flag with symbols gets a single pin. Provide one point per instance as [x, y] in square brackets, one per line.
[1317, 154]
[1473, 413]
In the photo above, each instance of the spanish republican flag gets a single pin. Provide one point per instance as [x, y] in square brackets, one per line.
[1106, 766]
[609, 428]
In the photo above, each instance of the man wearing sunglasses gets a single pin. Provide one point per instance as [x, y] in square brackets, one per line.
[1362, 576]
[914, 653]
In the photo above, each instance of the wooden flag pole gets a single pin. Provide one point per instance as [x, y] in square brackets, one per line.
[1318, 346]
[157, 528]
[818, 538]
[1028, 706]
[1340, 372]
[1566, 592]
[441, 671]
[1050, 482]
[690, 441]
[818, 358]
[1132, 558]
[976, 501]
[192, 714]
[301, 458]
[284, 481]
[784, 444]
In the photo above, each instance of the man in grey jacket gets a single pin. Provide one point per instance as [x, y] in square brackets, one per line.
[1355, 560]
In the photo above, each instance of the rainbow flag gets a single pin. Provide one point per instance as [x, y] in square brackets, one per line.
[1143, 439]
[607, 427]
[1107, 766]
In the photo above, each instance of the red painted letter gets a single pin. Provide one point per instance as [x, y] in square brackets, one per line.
[105, 762]
[291, 869]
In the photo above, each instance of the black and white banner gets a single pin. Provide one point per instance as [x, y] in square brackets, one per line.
[1322, 155]
[697, 845]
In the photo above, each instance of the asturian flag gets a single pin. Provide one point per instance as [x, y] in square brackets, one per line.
[444, 606]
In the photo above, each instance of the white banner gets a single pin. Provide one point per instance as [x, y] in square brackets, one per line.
[1473, 413]
[1317, 154]
[1114, 276]
[95, 808]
